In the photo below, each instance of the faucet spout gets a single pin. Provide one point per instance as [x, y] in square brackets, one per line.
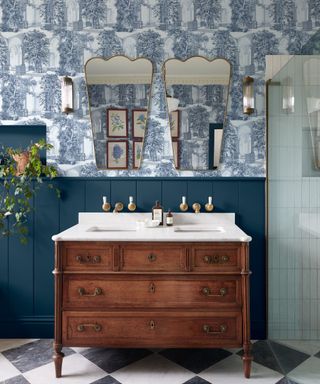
[118, 207]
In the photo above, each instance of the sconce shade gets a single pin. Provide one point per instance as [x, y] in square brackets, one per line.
[288, 95]
[173, 103]
[67, 95]
[248, 95]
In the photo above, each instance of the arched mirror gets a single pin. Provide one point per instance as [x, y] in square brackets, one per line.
[119, 93]
[197, 97]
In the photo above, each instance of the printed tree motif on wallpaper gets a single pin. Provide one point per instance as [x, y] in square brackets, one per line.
[183, 93]
[13, 97]
[36, 50]
[296, 41]
[50, 96]
[259, 139]
[166, 169]
[154, 141]
[53, 13]
[168, 14]
[94, 12]
[208, 13]
[230, 144]
[224, 45]
[4, 54]
[314, 9]
[186, 43]
[150, 45]
[13, 12]
[283, 14]
[127, 94]
[109, 44]
[243, 15]
[263, 43]
[128, 15]
[198, 118]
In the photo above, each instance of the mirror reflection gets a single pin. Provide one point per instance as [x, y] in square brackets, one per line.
[118, 92]
[197, 96]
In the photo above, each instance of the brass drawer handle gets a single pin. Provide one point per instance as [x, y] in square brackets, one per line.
[152, 288]
[88, 259]
[152, 257]
[207, 292]
[82, 327]
[97, 292]
[207, 329]
[152, 324]
[216, 259]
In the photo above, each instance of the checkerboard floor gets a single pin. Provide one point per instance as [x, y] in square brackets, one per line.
[275, 362]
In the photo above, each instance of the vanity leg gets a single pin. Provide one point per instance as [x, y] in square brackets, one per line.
[57, 358]
[247, 358]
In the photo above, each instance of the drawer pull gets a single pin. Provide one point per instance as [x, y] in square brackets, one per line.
[97, 292]
[207, 329]
[207, 292]
[82, 327]
[88, 259]
[152, 324]
[152, 288]
[152, 257]
[216, 259]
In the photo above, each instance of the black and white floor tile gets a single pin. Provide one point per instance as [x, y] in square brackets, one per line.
[281, 362]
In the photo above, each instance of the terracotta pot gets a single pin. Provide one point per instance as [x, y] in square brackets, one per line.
[22, 160]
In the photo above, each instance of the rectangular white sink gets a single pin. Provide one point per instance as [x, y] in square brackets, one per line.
[110, 229]
[198, 228]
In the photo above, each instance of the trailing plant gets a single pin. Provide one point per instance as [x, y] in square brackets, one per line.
[22, 173]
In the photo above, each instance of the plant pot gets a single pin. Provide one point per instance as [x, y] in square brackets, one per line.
[21, 160]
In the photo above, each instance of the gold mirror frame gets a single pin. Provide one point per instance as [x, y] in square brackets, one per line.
[148, 108]
[226, 105]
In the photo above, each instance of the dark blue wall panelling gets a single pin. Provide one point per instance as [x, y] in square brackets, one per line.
[26, 281]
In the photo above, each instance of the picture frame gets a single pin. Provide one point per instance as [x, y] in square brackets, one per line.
[117, 154]
[176, 149]
[137, 153]
[117, 123]
[175, 124]
[139, 123]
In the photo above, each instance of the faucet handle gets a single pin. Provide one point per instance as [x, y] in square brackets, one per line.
[196, 207]
[184, 206]
[209, 207]
[131, 206]
[105, 205]
[118, 207]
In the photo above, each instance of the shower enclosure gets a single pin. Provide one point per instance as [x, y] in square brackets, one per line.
[293, 180]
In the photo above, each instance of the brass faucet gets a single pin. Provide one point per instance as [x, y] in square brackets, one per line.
[105, 206]
[118, 207]
[196, 207]
[184, 206]
[209, 206]
[131, 206]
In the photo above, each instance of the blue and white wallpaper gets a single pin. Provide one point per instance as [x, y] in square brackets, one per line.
[42, 40]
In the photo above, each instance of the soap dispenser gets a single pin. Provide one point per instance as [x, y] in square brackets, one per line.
[105, 205]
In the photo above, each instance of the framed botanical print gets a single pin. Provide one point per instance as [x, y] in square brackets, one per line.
[174, 124]
[117, 123]
[137, 153]
[139, 121]
[117, 154]
[176, 148]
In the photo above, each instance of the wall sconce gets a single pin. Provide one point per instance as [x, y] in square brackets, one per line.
[288, 95]
[248, 95]
[173, 103]
[67, 95]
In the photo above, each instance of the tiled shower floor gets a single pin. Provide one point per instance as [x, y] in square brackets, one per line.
[30, 361]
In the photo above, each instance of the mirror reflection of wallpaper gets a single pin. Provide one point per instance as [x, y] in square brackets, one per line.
[102, 97]
[43, 40]
[198, 107]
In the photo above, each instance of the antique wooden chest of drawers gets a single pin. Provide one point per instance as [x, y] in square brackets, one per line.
[137, 294]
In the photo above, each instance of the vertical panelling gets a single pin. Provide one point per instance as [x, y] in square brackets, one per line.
[94, 192]
[147, 193]
[198, 192]
[225, 195]
[172, 190]
[4, 276]
[20, 273]
[121, 190]
[72, 201]
[252, 221]
[46, 224]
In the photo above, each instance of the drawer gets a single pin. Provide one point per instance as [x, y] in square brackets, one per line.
[153, 257]
[215, 258]
[151, 292]
[88, 258]
[156, 329]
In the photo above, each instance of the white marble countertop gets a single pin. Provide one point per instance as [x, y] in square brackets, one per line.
[201, 227]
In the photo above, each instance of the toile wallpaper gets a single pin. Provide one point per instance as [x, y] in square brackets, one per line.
[42, 40]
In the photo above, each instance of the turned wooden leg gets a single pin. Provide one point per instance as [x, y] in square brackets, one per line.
[57, 358]
[247, 358]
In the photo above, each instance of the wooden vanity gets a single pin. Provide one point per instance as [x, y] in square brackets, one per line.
[152, 294]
